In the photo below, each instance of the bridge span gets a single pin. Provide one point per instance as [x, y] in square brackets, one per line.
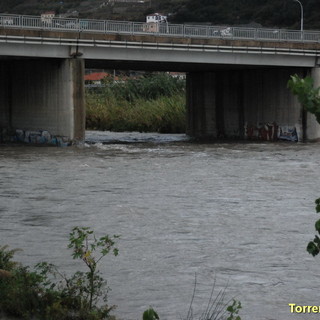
[236, 79]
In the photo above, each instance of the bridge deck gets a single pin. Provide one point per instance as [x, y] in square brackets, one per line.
[155, 51]
[153, 38]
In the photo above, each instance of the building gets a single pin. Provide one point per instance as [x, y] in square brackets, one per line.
[178, 75]
[47, 17]
[153, 22]
[95, 79]
[156, 18]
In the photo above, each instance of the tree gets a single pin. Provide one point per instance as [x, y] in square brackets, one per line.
[84, 244]
[308, 96]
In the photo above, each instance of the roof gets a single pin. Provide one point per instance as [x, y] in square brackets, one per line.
[155, 14]
[48, 12]
[95, 76]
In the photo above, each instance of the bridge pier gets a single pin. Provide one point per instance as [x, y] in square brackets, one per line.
[42, 101]
[248, 104]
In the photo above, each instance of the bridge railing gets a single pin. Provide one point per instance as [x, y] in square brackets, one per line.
[161, 29]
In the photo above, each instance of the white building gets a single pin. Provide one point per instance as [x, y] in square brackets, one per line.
[47, 17]
[153, 21]
[156, 17]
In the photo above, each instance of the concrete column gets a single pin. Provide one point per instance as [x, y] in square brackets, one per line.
[45, 95]
[215, 104]
[78, 101]
[231, 88]
[5, 96]
[201, 105]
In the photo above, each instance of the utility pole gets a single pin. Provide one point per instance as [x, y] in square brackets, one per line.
[301, 18]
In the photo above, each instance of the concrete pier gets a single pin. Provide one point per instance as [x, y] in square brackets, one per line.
[42, 100]
[248, 103]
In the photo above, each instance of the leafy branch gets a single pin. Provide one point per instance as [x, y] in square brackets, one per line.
[308, 96]
[314, 246]
[84, 244]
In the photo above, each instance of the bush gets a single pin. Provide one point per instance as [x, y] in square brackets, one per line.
[47, 294]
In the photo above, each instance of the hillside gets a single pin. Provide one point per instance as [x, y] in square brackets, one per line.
[272, 13]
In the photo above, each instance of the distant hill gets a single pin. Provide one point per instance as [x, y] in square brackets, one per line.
[271, 13]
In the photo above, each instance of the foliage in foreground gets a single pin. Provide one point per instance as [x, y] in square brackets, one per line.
[309, 97]
[150, 314]
[154, 103]
[216, 307]
[314, 246]
[47, 294]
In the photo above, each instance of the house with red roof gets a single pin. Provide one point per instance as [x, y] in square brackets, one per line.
[47, 16]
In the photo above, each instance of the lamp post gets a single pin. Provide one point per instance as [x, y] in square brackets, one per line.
[301, 20]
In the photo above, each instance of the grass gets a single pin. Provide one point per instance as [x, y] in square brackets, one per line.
[154, 103]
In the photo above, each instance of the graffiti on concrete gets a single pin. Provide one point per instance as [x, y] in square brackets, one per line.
[288, 133]
[270, 132]
[33, 137]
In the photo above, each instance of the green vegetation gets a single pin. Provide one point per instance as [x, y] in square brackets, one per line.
[308, 96]
[314, 246]
[153, 103]
[215, 310]
[150, 314]
[47, 294]
[216, 307]
[234, 310]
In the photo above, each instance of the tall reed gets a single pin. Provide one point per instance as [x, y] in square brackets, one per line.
[153, 103]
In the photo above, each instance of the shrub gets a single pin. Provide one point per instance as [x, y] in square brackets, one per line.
[48, 294]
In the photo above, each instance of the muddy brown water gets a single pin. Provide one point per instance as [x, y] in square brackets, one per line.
[240, 213]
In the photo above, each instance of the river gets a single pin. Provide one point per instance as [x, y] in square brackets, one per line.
[240, 213]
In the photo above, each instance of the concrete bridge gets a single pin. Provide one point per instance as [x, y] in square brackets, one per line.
[236, 77]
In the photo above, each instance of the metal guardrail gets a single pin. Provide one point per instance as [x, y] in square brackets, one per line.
[161, 29]
[75, 42]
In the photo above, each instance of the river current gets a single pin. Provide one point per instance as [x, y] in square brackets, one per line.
[240, 214]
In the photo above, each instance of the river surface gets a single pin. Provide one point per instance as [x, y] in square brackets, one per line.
[240, 213]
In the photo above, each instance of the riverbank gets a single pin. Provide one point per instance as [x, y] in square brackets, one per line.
[153, 103]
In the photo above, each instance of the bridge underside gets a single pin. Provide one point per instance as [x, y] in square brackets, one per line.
[237, 101]
[42, 100]
[162, 66]
[251, 104]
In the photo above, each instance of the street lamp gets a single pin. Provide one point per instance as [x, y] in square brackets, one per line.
[301, 21]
